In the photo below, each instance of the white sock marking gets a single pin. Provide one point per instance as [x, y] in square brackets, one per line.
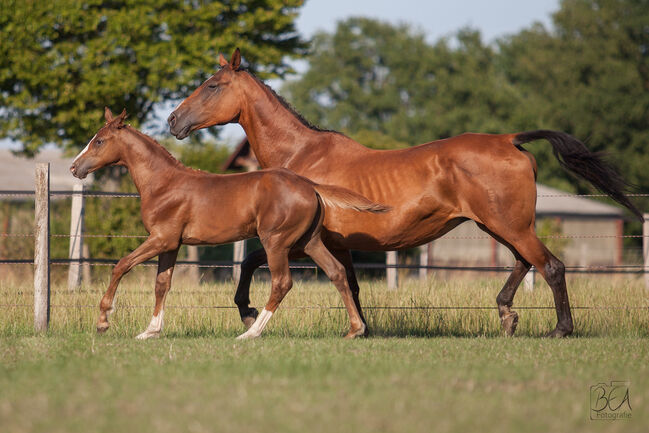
[154, 328]
[258, 326]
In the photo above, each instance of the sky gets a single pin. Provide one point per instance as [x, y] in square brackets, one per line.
[435, 18]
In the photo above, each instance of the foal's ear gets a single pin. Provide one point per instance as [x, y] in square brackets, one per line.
[108, 114]
[222, 60]
[119, 120]
[236, 59]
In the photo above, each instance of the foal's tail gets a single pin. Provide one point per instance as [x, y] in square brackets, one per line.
[576, 158]
[343, 198]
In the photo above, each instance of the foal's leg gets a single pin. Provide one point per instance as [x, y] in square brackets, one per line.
[281, 283]
[345, 257]
[149, 249]
[166, 262]
[336, 273]
[242, 298]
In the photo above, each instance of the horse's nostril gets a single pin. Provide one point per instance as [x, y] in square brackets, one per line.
[72, 168]
[172, 120]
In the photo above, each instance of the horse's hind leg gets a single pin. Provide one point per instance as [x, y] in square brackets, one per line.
[242, 298]
[345, 257]
[526, 245]
[336, 273]
[505, 299]
[554, 272]
[166, 263]
[281, 283]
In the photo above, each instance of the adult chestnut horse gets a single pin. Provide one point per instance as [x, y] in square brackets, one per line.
[431, 188]
[185, 206]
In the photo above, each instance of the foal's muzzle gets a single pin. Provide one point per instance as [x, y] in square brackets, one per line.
[77, 172]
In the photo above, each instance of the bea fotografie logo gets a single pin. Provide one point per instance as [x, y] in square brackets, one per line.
[610, 401]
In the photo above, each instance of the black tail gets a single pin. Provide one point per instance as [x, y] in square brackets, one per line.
[576, 158]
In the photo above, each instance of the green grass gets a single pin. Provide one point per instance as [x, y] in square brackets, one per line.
[422, 370]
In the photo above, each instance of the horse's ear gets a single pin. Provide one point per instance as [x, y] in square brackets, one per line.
[236, 59]
[222, 60]
[108, 114]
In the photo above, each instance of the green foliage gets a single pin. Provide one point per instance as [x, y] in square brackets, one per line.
[588, 76]
[62, 61]
[547, 229]
[206, 155]
[113, 216]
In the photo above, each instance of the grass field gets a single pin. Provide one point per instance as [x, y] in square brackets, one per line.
[421, 370]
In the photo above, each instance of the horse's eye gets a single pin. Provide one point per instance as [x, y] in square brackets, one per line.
[99, 142]
[212, 86]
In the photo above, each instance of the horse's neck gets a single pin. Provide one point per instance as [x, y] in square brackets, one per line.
[149, 165]
[275, 134]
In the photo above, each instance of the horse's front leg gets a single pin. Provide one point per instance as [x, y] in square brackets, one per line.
[149, 249]
[166, 263]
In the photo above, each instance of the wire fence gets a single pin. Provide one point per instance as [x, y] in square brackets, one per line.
[637, 269]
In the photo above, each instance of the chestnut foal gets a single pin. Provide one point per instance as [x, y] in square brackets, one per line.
[185, 206]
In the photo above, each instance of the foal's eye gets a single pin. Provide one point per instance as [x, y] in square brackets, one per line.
[212, 86]
[99, 142]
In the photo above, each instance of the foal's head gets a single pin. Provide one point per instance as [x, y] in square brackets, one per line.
[105, 148]
[215, 102]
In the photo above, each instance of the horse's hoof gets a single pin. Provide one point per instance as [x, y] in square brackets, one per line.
[102, 327]
[558, 333]
[510, 322]
[250, 317]
[248, 321]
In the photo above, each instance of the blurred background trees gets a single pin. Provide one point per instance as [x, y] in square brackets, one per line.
[62, 61]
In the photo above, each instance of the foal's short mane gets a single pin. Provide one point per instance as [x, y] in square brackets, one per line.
[284, 103]
[165, 153]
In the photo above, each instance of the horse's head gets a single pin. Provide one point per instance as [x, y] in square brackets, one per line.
[215, 102]
[103, 149]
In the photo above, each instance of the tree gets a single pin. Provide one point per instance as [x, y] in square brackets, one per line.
[371, 75]
[62, 61]
[588, 76]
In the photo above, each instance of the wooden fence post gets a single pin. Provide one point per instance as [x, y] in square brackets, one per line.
[194, 272]
[76, 237]
[645, 249]
[423, 262]
[391, 258]
[238, 256]
[42, 248]
[528, 281]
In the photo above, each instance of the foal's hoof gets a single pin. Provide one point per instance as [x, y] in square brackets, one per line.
[102, 327]
[558, 333]
[509, 322]
[354, 333]
[146, 335]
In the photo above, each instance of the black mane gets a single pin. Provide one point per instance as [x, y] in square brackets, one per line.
[290, 108]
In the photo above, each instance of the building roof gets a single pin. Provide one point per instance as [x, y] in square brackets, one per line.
[554, 202]
[18, 173]
[241, 158]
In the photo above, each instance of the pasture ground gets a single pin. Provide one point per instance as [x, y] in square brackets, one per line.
[421, 370]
